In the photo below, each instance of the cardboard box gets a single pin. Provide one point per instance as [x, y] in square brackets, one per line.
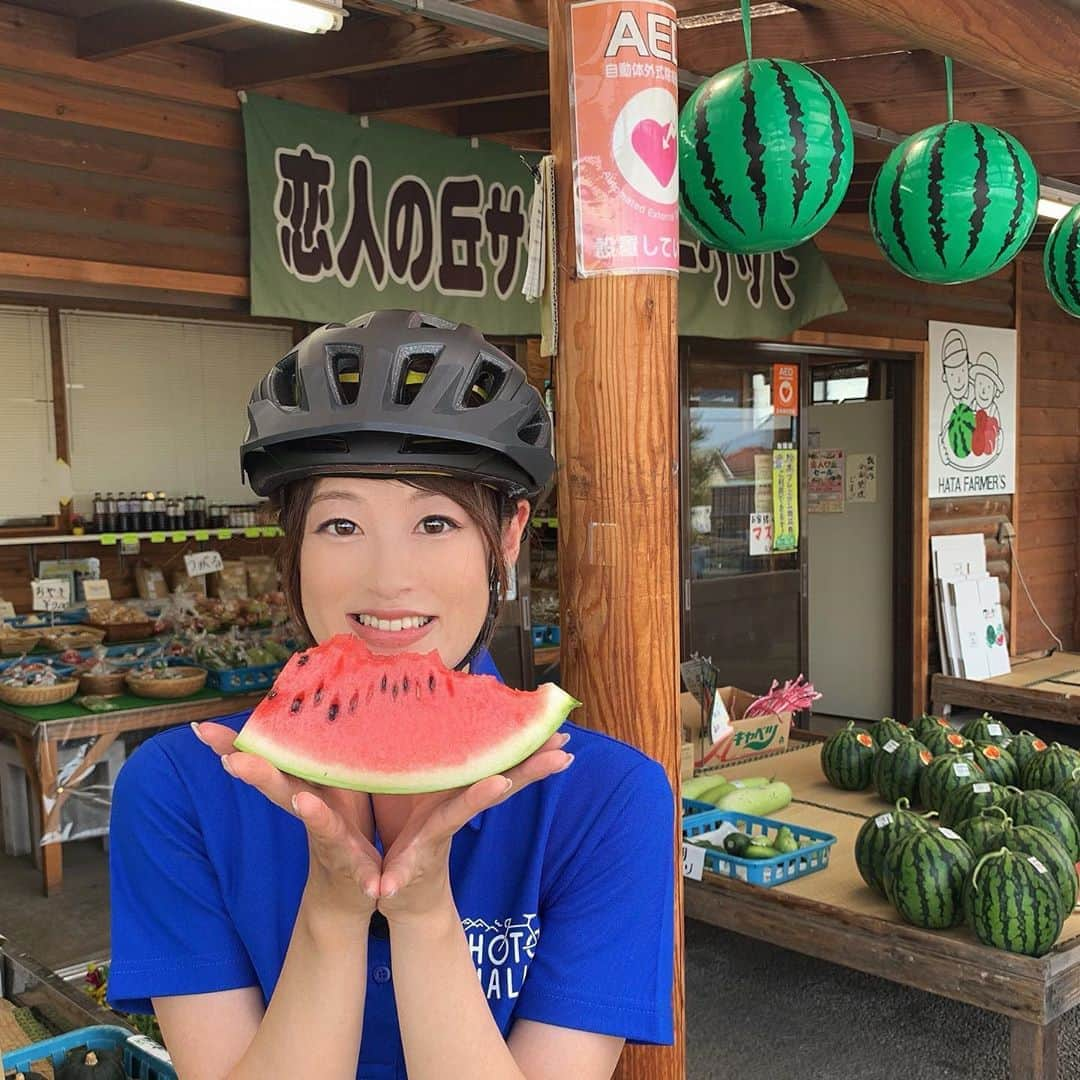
[748, 738]
[686, 761]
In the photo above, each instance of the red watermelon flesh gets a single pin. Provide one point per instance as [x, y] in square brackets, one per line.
[345, 717]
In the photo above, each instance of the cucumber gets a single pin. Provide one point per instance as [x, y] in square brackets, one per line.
[760, 851]
[759, 801]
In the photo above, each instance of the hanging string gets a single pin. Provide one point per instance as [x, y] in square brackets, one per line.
[948, 85]
[746, 27]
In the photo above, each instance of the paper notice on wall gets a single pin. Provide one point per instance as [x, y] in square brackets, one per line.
[861, 470]
[785, 500]
[761, 534]
[825, 481]
[763, 483]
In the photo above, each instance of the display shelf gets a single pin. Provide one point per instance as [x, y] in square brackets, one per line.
[175, 536]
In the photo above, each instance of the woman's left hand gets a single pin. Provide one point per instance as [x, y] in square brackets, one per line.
[415, 877]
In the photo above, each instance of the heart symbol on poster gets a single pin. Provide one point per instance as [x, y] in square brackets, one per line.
[654, 143]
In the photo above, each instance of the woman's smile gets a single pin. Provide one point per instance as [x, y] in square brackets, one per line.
[390, 629]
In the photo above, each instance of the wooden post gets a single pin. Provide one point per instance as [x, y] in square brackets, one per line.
[617, 414]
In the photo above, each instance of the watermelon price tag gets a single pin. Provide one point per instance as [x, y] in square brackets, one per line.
[882, 820]
[148, 1046]
[961, 768]
[1038, 865]
[693, 861]
[51, 594]
[981, 789]
[203, 562]
[949, 833]
[891, 746]
[994, 729]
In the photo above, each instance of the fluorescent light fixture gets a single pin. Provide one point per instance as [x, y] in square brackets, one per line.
[310, 16]
[718, 18]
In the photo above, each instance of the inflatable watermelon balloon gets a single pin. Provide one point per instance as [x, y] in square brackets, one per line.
[954, 203]
[342, 716]
[1061, 262]
[765, 156]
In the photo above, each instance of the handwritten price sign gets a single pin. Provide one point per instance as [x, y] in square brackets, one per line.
[51, 594]
[761, 534]
[693, 861]
[203, 562]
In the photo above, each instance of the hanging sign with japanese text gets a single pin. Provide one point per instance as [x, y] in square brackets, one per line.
[624, 104]
[785, 500]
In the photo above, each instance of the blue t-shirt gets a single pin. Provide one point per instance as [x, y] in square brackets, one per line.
[565, 892]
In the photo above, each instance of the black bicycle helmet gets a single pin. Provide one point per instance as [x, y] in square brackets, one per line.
[398, 391]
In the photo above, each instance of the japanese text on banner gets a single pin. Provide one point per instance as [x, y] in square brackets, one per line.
[785, 500]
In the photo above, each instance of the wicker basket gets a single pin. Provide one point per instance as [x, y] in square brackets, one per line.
[108, 685]
[191, 681]
[17, 642]
[132, 631]
[71, 637]
[39, 695]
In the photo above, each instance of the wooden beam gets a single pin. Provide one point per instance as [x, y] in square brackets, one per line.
[900, 75]
[1030, 43]
[1009, 109]
[361, 45]
[142, 26]
[464, 82]
[505, 117]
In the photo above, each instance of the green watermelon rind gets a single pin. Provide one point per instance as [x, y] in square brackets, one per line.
[1014, 907]
[924, 878]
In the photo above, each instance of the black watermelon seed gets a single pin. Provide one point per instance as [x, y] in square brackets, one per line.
[353, 702]
[382, 684]
[302, 659]
[394, 691]
[405, 684]
[318, 695]
[431, 683]
[296, 705]
[331, 713]
[272, 694]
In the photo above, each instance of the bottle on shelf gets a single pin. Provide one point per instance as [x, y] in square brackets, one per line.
[99, 512]
[122, 522]
[200, 511]
[110, 512]
[161, 516]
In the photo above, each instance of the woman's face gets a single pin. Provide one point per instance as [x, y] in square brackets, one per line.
[403, 569]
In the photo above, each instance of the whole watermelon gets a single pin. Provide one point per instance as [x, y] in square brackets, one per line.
[924, 877]
[1014, 903]
[985, 729]
[1024, 747]
[1069, 794]
[965, 802]
[997, 764]
[1046, 811]
[847, 758]
[1029, 840]
[1061, 262]
[1051, 769]
[948, 771]
[954, 202]
[765, 156]
[986, 831]
[878, 834]
[887, 728]
[927, 724]
[941, 740]
[898, 766]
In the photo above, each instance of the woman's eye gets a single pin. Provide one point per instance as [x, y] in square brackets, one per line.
[437, 526]
[338, 527]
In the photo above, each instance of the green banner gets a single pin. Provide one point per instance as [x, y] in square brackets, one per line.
[348, 216]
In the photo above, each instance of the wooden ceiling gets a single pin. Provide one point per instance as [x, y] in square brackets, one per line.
[877, 53]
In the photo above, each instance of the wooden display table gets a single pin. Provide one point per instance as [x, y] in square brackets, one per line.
[38, 740]
[833, 915]
[1047, 688]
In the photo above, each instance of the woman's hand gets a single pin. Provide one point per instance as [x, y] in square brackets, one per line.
[344, 864]
[415, 875]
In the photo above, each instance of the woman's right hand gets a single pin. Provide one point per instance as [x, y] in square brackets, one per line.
[344, 865]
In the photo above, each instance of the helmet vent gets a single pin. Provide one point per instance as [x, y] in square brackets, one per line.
[347, 369]
[320, 444]
[414, 371]
[535, 429]
[486, 383]
[427, 444]
[285, 383]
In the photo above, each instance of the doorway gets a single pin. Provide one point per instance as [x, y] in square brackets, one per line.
[836, 605]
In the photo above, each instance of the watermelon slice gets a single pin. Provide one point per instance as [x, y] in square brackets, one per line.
[345, 717]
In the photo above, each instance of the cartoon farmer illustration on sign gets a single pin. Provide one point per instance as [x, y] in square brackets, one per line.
[971, 433]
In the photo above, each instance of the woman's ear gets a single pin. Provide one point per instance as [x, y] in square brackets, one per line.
[514, 530]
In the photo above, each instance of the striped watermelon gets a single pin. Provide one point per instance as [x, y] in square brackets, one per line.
[887, 728]
[986, 729]
[847, 758]
[986, 831]
[1015, 904]
[1024, 747]
[945, 773]
[765, 156]
[954, 202]
[965, 802]
[1045, 811]
[997, 763]
[924, 877]
[1069, 794]
[1051, 769]
[1029, 840]
[878, 834]
[1061, 262]
[926, 724]
[898, 766]
[961, 430]
[940, 741]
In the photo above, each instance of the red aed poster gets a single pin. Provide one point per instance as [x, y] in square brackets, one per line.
[624, 100]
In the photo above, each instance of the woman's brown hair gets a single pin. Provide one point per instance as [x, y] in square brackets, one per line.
[488, 509]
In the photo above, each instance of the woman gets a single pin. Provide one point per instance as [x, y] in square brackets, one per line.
[521, 927]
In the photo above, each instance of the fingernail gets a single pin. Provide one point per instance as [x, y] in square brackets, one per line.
[371, 892]
[569, 761]
[387, 895]
[198, 735]
[564, 739]
[226, 766]
[296, 809]
[509, 784]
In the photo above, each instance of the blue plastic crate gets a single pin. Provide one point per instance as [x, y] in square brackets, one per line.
[692, 806]
[766, 872]
[60, 669]
[143, 1058]
[539, 633]
[243, 680]
[553, 636]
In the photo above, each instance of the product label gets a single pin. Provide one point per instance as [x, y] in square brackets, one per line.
[693, 861]
[882, 820]
[954, 739]
[994, 729]
[992, 752]
[203, 562]
[1038, 865]
[96, 590]
[1038, 744]
[865, 739]
[51, 594]
[961, 768]
[949, 833]
[925, 757]
[891, 746]
[981, 789]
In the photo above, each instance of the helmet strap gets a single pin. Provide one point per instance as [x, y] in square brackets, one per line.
[484, 637]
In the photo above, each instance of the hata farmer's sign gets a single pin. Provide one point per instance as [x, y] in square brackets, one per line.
[348, 217]
[973, 397]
